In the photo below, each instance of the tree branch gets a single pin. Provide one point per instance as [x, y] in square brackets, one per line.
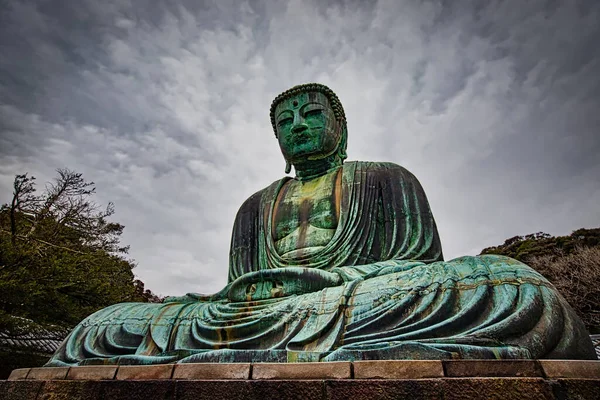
[26, 238]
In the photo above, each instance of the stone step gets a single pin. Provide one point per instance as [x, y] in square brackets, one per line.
[505, 388]
[389, 369]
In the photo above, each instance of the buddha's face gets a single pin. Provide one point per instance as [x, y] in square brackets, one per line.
[306, 127]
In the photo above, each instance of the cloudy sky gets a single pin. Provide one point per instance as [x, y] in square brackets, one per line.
[495, 108]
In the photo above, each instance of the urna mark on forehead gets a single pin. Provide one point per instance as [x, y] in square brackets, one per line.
[297, 101]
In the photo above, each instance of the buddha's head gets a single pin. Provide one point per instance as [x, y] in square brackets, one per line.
[310, 125]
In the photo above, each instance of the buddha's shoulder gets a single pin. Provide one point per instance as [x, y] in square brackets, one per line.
[252, 203]
[381, 169]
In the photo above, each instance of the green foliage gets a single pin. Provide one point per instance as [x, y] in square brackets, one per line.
[524, 248]
[571, 263]
[60, 257]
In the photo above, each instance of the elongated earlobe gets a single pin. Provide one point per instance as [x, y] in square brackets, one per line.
[288, 167]
[342, 146]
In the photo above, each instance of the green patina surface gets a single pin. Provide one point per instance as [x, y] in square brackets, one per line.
[342, 262]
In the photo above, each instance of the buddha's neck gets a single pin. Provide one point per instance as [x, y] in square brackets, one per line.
[311, 169]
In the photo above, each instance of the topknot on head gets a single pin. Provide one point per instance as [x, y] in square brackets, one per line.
[334, 101]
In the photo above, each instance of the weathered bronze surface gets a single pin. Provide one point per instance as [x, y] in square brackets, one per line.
[342, 262]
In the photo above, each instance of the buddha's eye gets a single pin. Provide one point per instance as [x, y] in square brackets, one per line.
[285, 121]
[313, 113]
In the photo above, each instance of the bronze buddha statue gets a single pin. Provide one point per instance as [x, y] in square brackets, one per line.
[342, 262]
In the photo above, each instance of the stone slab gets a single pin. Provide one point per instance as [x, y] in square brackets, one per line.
[571, 369]
[212, 390]
[577, 389]
[69, 390]
[20, 390]
[212, 371]
[286, 389]
[46, 374]
[93, 373]
[162, 389]
[372, 389]
[309, 370]
[399, 369]
[497, 389]
[492, 368]
[144, 372]
[259, 390]
[20, 373]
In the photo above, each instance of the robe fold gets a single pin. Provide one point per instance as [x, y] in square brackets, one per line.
[378, 290]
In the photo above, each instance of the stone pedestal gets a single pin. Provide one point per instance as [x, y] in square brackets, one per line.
[458, 379]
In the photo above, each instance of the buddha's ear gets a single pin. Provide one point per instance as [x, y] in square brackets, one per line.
[343, 144]
[288, 167]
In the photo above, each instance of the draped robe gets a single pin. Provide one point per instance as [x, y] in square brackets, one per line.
[379, 290]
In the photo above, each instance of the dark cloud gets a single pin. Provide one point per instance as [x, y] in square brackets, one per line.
[164, 104]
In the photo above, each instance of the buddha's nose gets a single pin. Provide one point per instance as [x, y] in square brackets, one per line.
[299, 128]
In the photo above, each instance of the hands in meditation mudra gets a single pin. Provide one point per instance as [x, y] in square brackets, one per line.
[342, 262]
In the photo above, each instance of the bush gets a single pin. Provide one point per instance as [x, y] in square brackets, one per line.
[577, 278]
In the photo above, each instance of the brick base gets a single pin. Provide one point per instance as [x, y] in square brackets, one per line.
[371, 380]
[371, 389]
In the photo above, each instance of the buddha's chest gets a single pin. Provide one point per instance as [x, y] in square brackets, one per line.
[306, 213]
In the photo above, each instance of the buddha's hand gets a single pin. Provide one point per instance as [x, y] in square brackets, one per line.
[366, 271]
[273, 283]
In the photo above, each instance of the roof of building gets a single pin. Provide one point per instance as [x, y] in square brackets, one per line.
[33, 337]
[596, 342]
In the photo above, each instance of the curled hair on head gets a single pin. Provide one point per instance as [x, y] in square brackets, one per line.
[334, 101]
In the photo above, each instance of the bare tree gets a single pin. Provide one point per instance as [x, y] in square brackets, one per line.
[66, 203]
[24, 201]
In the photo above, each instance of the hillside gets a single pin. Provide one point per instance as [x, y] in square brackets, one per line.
[571, 263]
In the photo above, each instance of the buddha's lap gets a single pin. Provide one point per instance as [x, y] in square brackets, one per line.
[468, 278]
[482, 303]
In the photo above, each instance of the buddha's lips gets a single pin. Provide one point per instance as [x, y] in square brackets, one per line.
[301, 138]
